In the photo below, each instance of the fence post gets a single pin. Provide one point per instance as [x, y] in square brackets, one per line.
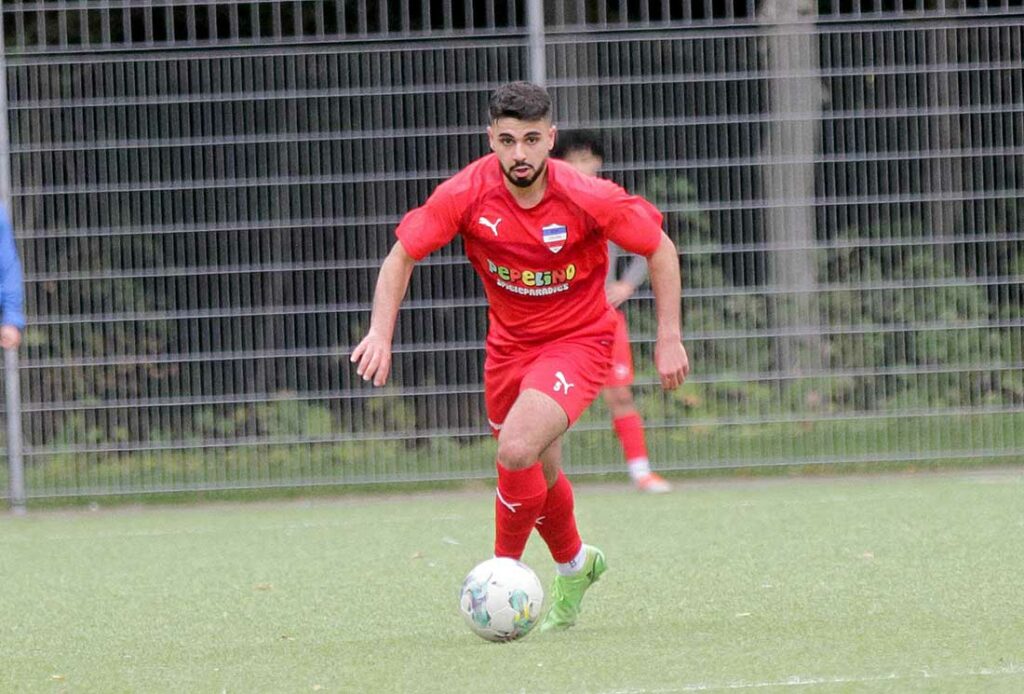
[535, 22]
[16, 479]
[5, 139]
[14, 457]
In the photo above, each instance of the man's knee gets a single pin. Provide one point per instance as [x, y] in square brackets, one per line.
[618, 398]
[515, 454]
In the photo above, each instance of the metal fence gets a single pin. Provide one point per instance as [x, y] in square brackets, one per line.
[202, 193]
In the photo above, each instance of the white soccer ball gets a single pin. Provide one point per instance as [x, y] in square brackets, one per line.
[501, 599]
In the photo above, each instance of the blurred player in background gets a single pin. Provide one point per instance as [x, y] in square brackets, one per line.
[12, 289]
[536, 231]
[583, 150]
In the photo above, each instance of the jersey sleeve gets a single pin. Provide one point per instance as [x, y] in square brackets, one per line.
[629, 221]
[632, 223]
[427, 228]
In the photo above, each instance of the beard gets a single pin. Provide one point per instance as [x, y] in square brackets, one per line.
[523, 182]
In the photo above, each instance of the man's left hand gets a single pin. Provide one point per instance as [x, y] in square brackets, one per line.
[672, 362]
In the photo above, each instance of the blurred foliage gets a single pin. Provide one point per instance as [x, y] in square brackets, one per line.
[896, 303]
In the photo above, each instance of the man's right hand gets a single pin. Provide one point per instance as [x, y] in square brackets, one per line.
[373, 354]
[373, 357]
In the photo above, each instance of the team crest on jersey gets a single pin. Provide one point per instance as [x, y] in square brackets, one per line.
[554, 236]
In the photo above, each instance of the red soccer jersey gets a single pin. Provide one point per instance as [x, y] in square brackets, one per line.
[544, 268]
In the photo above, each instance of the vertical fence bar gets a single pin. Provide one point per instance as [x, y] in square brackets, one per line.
[5, 141]
[14, 457]
[535, 24]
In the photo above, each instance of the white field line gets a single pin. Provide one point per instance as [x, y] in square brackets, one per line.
[803, 681]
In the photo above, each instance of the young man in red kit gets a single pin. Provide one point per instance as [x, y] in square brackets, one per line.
[537, 232]
[583, 151]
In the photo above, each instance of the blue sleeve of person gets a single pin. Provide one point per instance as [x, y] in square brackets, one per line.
[12, 290]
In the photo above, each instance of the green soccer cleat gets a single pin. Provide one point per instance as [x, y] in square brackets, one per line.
[567, 591]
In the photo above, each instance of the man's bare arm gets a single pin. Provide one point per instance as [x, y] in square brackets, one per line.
[670, 358]
[373, 353]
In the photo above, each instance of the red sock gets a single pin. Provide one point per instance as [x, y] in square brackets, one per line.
[630, 430]
[520, 498]
[557, 522]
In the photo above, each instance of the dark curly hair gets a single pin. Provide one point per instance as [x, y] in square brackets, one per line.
[520, 100]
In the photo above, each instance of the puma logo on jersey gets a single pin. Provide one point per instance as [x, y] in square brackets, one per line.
[562, 385]
[493, 226]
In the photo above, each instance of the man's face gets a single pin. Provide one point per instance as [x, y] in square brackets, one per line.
[522, 148]
[584, 161]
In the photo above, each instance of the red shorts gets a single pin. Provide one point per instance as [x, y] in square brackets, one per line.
[622, 356]
[572, 371]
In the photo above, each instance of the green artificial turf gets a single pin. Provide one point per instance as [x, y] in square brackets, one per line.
[884, 583]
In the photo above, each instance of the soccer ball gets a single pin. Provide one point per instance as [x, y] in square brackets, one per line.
[501, 599]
